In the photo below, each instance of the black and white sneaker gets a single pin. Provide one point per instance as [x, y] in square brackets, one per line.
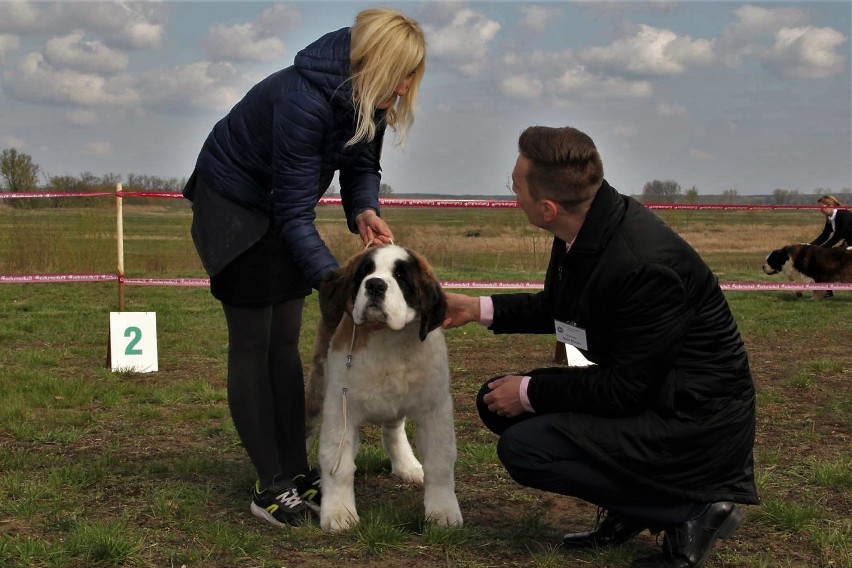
[279, 504]
[308, 485]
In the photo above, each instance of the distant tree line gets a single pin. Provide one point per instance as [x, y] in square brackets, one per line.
[18, 173]
[670, 191]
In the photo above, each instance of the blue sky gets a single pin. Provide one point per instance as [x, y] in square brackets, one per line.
[720, 95]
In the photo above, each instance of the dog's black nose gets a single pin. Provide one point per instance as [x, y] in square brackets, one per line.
[376, 287]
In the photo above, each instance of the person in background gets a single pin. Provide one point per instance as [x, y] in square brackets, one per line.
[659, 431]
[837, 229]
[838, 224]
[255, 187]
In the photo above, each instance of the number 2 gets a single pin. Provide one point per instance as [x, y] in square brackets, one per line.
[137, 337]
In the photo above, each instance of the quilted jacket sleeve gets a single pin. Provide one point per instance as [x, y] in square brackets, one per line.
[359, 182]
[300, 122]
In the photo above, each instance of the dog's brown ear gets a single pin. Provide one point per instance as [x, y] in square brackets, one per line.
[333, 296]
[433, 303]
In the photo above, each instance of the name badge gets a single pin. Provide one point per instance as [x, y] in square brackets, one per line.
[571, 334]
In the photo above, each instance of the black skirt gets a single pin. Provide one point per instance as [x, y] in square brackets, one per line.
[248, 262]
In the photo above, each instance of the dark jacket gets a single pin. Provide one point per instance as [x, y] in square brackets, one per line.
[671, 402]
[277, 150]
[842, 231]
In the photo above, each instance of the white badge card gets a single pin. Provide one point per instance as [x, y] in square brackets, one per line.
[133, 341]
[571, 334]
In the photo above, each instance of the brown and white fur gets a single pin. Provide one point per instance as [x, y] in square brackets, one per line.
[820, 263]
[379, 357]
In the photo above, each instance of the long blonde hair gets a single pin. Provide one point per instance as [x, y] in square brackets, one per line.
[386, 47]
[828, 201]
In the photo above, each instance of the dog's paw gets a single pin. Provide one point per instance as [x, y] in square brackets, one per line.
[412, 472]
[337, 520]
[446, 517]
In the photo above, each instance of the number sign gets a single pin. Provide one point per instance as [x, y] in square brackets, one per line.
[133, 341]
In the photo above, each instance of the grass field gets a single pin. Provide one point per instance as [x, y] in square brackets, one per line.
[99, 468]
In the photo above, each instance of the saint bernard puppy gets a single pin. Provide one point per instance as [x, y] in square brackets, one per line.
[380, 356]
[820, 263]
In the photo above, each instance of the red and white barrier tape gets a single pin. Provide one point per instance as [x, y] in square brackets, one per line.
[52, 278]
[449, 284]
[10, 195]
[414, 202]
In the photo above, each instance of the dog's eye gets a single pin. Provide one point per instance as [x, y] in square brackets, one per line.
[399, 274]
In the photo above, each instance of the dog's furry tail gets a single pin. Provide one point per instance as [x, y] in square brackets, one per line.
[316, 385]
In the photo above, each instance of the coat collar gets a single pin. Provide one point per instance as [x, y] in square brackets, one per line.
[601, 221]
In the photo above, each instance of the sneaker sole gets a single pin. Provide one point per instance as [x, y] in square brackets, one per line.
[265, 515]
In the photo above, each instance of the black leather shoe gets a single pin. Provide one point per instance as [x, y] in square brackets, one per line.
[614, 529]
[689, 544]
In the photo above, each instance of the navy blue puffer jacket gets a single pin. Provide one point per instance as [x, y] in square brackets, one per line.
[278, 148]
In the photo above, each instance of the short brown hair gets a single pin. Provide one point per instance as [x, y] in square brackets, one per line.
[828, 201]
[565, 164]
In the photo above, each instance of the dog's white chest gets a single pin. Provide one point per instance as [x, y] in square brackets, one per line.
[389, 380]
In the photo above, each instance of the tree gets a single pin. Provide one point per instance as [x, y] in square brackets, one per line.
[730, 196]
[385, 190]
[18, 171]
[691, 195]
[661, 191]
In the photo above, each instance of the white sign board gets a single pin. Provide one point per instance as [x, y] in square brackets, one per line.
[133, 341]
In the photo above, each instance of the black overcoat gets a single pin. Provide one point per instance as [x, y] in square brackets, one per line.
[842, 231]
[670, 403]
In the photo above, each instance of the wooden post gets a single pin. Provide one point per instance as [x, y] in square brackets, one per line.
[559, 354]
[119, 238]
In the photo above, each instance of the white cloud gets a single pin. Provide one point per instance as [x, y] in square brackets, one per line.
[624, 130]
[73, 52]
[651, 51]
[202, 85]
[539, 18]
[13, 142]
[34, 79]
[20, 17]
[464, 41]
[133, 25]
[256, 41]
[240, 43]
[668, 109]
[701, 155]
[746, 36]
[99, 149]
[577, 82]
[82, 117]
[279, 18]
[8, 44]
[522, 87]
[807, 52]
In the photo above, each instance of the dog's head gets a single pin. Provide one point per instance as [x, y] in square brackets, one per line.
[775, 260]
[385, 286]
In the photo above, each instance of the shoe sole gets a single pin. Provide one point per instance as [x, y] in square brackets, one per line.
[265, 515]
[726, 529]
[592, 544]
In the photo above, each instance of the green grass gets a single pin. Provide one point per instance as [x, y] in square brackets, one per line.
[102, 468]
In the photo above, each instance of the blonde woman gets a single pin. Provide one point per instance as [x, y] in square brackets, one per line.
[256, 184]
[838, 223]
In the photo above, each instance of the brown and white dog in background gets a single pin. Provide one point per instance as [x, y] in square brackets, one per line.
[822, 264]
[379, 357]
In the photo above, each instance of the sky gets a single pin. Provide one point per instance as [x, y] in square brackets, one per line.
[721, 95]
